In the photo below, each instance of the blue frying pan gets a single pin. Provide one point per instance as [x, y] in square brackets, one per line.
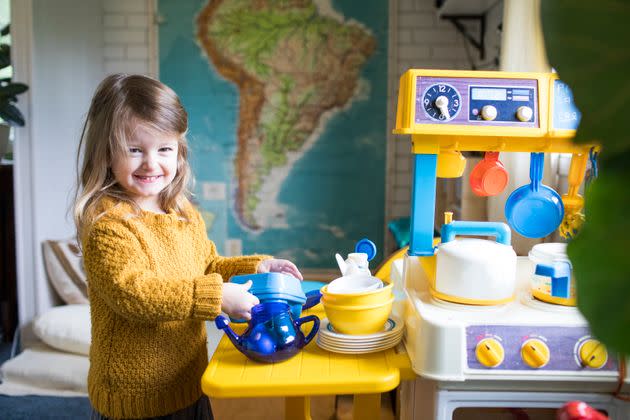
[534, 210]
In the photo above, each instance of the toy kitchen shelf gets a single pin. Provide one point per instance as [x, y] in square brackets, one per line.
[313, 371]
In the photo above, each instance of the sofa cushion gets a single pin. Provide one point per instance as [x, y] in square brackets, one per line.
[64, 265]
[66, 328]
[46, 371]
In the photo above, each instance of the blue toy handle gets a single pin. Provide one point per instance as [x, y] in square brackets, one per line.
[536, 166]
[313, 333]
[312, 298]
[560, 273]
[464, 227]
[222, 323]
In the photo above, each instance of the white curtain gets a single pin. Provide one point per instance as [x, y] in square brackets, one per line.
[522, 50]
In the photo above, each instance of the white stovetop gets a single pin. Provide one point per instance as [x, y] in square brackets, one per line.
[524, 310]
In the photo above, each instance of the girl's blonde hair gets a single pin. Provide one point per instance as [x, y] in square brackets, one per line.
[122, 102]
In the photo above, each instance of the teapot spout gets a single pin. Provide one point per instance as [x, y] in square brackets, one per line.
[341, 263]
[222, 323]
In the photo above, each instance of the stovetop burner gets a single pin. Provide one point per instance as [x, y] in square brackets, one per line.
[464, 307]
[529, 300]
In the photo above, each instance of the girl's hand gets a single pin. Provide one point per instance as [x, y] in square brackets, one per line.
[279, 266]
[237, 301]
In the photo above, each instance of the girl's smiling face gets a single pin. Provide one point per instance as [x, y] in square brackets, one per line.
[147, 166]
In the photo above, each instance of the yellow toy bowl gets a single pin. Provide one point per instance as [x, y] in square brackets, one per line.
[358, 320]
[370, 297]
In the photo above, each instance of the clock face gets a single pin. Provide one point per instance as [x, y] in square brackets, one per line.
[441, 102]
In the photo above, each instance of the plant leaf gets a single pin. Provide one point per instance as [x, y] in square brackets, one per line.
[587, 43]
[600, 259]
[5, 31]
[13, 89]
[11, 114]
[5, 56]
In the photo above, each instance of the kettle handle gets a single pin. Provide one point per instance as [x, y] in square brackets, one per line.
[464, 227]
[305, 319]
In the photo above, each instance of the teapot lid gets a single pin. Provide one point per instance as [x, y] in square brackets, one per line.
[366, 246]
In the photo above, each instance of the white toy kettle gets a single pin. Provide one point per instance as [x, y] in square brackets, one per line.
[475, 271]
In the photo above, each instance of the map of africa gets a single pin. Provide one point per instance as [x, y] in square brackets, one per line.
[287, 136]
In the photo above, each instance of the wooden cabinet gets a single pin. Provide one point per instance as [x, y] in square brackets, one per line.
[8, 278]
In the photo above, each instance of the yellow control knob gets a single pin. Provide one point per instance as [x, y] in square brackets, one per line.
[593, 354]
[535, 353]
[489, 352]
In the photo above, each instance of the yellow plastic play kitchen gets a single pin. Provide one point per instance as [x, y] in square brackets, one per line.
[484, 328]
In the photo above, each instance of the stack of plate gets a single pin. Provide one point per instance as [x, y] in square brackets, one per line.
[336, 342]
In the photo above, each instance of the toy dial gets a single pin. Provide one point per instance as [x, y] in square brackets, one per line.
[441, 102]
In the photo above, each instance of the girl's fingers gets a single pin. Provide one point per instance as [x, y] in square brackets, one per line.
[296, 272]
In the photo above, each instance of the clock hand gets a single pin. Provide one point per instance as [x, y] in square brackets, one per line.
[442, 103]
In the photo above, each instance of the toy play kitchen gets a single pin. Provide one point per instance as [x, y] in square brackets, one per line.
[483, 327]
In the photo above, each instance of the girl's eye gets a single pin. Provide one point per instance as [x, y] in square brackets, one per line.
[166, 149]
[134, 150]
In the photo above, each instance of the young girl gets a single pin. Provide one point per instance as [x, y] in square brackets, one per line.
[154, 277]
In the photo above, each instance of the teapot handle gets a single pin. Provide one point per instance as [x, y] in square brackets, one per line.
[312, 298]
[313, 332]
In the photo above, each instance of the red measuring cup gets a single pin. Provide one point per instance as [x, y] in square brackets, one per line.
[489, 177]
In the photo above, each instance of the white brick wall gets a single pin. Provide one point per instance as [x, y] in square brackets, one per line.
[418, 39]
[129, 37]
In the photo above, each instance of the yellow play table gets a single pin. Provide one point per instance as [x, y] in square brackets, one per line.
[313, 371]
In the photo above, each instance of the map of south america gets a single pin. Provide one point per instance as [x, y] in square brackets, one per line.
[293, 64]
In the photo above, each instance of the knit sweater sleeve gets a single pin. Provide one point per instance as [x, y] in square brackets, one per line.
[119, 271]
[231, 266]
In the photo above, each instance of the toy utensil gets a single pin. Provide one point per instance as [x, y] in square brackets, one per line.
[573, 202]
[534, 210]
[592, 174]
[489, 176]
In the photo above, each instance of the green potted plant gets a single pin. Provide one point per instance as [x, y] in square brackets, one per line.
[587, 44]
[9, 90]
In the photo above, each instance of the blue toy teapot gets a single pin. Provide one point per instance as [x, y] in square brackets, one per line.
[271, 335]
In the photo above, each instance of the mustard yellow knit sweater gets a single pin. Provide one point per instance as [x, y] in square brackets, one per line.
[152, 280]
